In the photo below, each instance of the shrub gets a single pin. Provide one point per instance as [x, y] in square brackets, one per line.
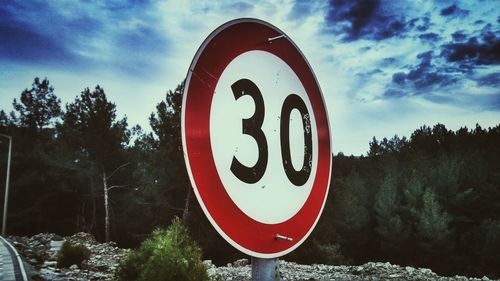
[72, 254]
[167, 255]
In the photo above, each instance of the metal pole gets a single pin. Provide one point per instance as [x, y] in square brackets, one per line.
[265, 269]
[6, 198]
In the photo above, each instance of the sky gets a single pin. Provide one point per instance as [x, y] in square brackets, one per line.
[384, 67]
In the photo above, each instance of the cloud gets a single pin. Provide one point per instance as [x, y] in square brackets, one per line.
[441, 82]
[449, 10]
[26, 43]
[457, 64]
[301, 10]
[492, 79]
[431, 37]
[241, 7]
[482, 50]
[368, 19]
[459, 36]
[399, 78]
[421, 24]
[115, 35]
[394, 93]
[454, 10]
[423, 76]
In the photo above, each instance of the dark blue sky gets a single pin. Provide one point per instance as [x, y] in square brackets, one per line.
[385, 67]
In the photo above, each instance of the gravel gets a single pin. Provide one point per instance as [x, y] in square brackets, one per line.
[40, 255]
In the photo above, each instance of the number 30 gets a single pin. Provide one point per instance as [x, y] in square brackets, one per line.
[253, 127]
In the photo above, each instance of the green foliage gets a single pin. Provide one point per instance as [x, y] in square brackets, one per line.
[413, 191]
[350, 214]
[95, 140]
[72, 254]
[430, 200]
[90, 124]
[314, 252]
[435, 203]
[491, 247]
[386, 199]
[331, 253]
[353, 203]
[167, 159]
[38, 106]
[433, 222]
[167, 255]
[4, 119]
[387, 146]
[390, 227]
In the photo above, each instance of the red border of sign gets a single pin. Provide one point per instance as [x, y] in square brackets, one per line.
[217, 51]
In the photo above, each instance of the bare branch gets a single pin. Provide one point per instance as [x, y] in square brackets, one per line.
[113, 186]
[112, 173]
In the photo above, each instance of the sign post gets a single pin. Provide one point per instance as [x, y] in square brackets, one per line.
[256, 140]
[6, 197]
[265, 269]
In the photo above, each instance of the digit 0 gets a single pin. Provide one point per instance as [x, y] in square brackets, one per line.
[301, 176]
[253, 127]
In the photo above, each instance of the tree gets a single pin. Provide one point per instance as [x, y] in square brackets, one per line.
[413, 191]
[449, 169]
[390, 227]
[38, 106]
[433, 221]
[90, 124]
[171, 175]
[351, 213]
[433, 232]
[387, 146]
[166, 255]
[4, 120]
[490, 259]
[375, 148]
[106, 189]
[43, 194]
[97, 139]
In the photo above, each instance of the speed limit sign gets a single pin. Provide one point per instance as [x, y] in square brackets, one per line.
[256, 138]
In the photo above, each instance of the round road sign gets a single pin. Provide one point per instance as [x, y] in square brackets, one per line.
[256, 138]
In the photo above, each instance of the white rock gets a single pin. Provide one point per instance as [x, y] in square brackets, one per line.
[49, 264]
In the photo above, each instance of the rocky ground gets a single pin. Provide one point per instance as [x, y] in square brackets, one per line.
[320, 272]
[40, 254]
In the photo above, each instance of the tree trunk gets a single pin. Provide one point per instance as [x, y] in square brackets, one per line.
[90, 226]
[106, 206]
[106, 199]
[185, 212]
[81, 225]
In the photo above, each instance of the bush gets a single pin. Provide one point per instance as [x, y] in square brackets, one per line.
[72, 254]
[167, 255]
[313, 251]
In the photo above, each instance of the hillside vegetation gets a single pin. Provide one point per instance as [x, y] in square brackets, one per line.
[429, 200]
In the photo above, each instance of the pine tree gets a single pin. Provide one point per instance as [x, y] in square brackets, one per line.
[351, 213]
[38, 106]
[90, 128]
[433, 221]
[169, 166]
[390, 227]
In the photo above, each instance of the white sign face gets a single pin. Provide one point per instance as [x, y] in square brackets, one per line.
[272, 198]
